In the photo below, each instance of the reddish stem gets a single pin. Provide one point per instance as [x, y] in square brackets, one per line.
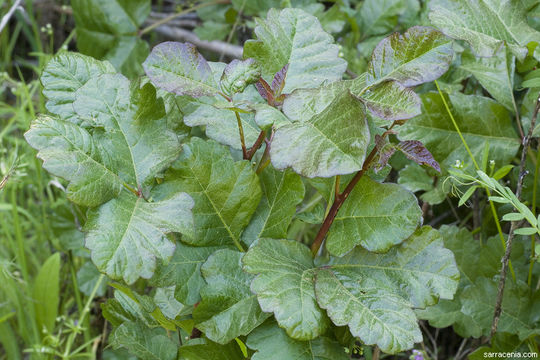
[256, 145]
[338, 201]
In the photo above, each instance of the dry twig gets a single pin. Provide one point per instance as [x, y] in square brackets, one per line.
[233, 51]
[515, 224]
[9, 14]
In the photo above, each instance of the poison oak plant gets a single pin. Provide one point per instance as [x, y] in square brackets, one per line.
[192, 175]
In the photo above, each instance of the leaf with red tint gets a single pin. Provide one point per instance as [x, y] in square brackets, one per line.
[265, 91]
[417, 152]
[278, 83]
[385, 150]
[179, 68]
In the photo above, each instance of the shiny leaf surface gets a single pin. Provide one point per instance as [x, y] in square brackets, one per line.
[180, 69]
[272, 343]
[332, 142]
[479, 119]
[294, 37]
[420, 55]
[485, 24]
[226, 192]
[281, 193]
[373, 293]
[228, 308]
[375, 216]
[284, 285]
[127, 234]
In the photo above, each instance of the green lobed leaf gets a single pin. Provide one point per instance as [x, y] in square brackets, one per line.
[332, 142]
[420, 55]
[519, 314]
[389, 100]
[166, 301]
[107, 30]
[392, 101]
[479, 119]
[118, 16]
[448, 312]
[436, 195]
[373, 293]
[326, 187]
[183, 271]
[485, 24]
[421, 262]
[474, 261]
[226, 192]
[414, 178]
[495, 74]
[267, 116]
[379, 17]
[180, 69]
[272, 343]
[128, 305]
[238, 74]
[412, 14]
[303, 104]
[332, 20]
[284, 285]
[70, 151]
[216, 116]
[375, 316]
[127, 54]
[145, 343]
[175, 121]
[131, 126]
[282, 192]
[500, 343]
[531, 80]
[127, 234]
[125, 308]
[87, 277]
[294, 37]
[202, 349]
[376, 216]
[220, 124]
[313, 216]
[228, 308]
[63, 75]
[212, 30]
[254, 7]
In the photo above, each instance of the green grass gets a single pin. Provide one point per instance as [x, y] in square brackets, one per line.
[42, 310]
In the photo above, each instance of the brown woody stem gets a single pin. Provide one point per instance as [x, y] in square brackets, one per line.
[242, 139]
[506, 258]
[265, 159]
[256, 145]
[178, 14]
[340, 198]
[338, 201]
